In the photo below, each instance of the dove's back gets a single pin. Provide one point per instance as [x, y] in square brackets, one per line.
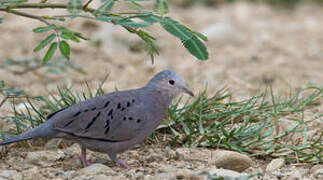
[123, 117]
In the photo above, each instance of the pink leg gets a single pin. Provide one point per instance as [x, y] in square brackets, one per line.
[82, 158]
[121, 163]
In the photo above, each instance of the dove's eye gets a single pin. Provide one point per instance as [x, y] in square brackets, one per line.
[171, 82]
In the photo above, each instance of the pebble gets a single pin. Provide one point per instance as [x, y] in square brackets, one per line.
[225, 173]
[317, 171]
[275, 164]
[44, 158]
[10, 175]
[231, 160]
[95, 169]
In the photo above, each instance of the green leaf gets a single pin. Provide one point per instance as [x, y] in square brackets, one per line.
[43, 29]
[152, 19]
[105, 8]
[14, 1]
[74, 6]
[65, 49]
[2, 84]
[201, 36]
[161, 7]
[133, 24]
[176, 29]
[50, 52]
[135, 5]
[108, 18]
[80, 35]
[196, 48]
[45, 42]
[69, 36]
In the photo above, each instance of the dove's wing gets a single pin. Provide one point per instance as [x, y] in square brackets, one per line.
[117, 116]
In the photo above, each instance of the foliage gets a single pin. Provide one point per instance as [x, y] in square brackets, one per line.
[56, 66]
[217, 121]
[134, 22]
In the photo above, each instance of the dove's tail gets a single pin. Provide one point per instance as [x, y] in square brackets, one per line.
[44, 130]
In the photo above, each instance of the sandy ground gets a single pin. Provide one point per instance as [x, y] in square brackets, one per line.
[248, 45]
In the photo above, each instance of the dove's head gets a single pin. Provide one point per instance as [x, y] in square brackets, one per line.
[169, 82]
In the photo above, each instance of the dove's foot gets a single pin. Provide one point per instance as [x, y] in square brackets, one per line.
[120, 162]
[82, 158]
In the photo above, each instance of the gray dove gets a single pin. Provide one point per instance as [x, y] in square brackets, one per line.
[113, 122]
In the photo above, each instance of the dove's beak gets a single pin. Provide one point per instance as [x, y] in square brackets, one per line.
[188, 91]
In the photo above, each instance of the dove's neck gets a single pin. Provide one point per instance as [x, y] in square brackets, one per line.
[159, 95]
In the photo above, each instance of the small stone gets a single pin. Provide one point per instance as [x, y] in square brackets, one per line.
[44, 158]
[154, 157]
[225, 173]
[68, 174]
[10, 175]
[231, 160]
[52, 144]
[101, 177]
[295, 175]
[275, 164]
[30, 174]
[96, 169]
[317, 171]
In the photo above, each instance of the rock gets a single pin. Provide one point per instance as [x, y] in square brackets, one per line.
[68, 174]
[224, 173]
[30, 174]
[294, 175]
[222, 33]
[317, 171]
[10, 174]
[52, 144]
[154, 157]
[101, 177]
[95, 169]
[231, 160]
[275, 164]
[44, 158]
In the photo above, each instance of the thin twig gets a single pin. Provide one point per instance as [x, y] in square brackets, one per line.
[87, 4]
[27, 15]
[3, 100]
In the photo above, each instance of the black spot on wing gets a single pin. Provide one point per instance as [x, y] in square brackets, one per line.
[67, 124]
[107, 104]
[107, 130]
[93, 120]
[124, 118]
[122, 109]
[130, 118]
[138, 120]
[86, 110]
[133, 101]
[110, 112]
[76, 114]
[93, 109]
[128, 104]
[107, 123]
[119, 106]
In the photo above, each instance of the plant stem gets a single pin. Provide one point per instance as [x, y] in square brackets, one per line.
[37, 5]
[27, 15]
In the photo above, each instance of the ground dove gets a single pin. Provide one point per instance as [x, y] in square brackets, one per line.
[112, 122]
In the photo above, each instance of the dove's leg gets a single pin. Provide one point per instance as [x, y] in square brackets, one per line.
[121, 163]
[83, 159]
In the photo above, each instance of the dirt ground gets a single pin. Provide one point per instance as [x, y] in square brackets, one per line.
[248, 45]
